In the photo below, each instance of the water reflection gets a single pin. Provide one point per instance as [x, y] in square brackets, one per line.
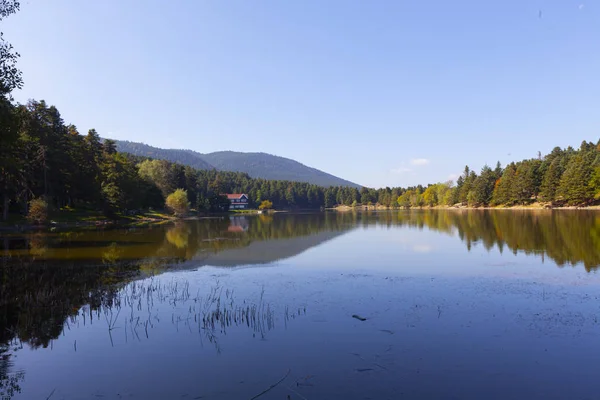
[51, 282]
[567, 237]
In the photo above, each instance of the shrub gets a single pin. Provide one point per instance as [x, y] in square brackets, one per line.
[38, 211]
[178, 202]
[265, 205]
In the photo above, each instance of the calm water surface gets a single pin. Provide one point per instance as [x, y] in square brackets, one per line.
[390, 305]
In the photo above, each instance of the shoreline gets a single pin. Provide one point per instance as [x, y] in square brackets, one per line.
[82, 222]
[531, 207]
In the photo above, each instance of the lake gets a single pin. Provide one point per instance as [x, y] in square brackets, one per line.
[456, 304]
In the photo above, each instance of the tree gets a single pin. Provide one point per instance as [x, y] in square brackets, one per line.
[109, 147]
[483, 187]
[551, 180]
[10, 160]
[430, 196]
[265, 205]
[503, 188]
[161, 173]
[444, 192]
[329, 198]
[404, 198]
[178, 202]
[595, 182]
[526, 181]
[38, 211]
[574, 186]
[10, 77]
[466, 184]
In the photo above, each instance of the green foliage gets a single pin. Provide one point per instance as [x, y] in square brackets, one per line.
[595, 183]
[38, 211]
[483, 188]
[178, 202]
[404, 199]
[163, 174]
[526, 181]
[41, 156]
[503, 188]
[265, 205]
[574, 186]
[551, 180]
[430, 196]
[10, 77]
[465, 184]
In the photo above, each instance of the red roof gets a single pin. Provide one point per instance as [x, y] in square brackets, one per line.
[236, 196]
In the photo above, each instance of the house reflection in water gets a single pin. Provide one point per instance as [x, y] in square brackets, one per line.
[238, 224]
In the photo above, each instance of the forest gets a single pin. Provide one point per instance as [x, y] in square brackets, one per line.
[43, 159]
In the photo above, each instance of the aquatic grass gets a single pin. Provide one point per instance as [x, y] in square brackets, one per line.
[211, 315]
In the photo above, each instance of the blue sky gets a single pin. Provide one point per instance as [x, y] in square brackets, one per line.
[383, 93]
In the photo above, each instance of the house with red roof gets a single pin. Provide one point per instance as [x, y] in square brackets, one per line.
[239, 201]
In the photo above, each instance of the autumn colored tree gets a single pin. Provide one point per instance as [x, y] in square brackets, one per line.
[38, 211]
[404, 200]
[265, 205]
[178, 202]
[430, 197]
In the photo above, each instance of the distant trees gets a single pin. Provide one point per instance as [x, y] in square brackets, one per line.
[595, 183]
[483, 187]
[39, 152]
[563, 177]
[576, 184]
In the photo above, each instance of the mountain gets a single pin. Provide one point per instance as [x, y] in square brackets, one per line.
[185, 157]
[267, 166]
[257, 165]
[264, 251]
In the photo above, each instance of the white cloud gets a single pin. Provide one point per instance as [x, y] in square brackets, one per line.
[400, 170]
[422, 248]
[453, 177]
[419, 161]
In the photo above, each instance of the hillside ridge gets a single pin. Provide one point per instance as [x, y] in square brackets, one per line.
[256, 164]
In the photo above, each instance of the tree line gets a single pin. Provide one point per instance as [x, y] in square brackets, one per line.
[43, 157]
[563, 177]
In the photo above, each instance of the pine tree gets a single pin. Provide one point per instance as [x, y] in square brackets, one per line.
[526, 182]
[503, 189]
[551, 180]
[483, 187]
[574, 186]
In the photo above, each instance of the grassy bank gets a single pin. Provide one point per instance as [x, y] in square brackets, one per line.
[70, 217]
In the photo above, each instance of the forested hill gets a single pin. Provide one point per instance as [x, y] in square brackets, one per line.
[257, 165]
[184, 157]
[267, 166]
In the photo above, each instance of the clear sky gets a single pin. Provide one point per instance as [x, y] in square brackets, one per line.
[383, 93]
